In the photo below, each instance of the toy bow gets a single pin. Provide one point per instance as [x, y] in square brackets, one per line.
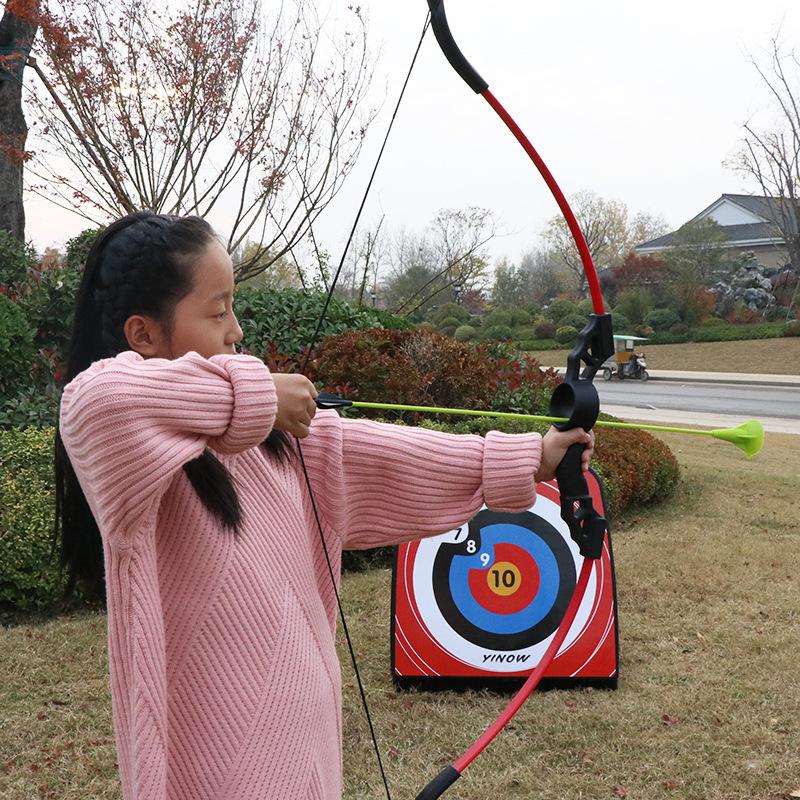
[575, 402]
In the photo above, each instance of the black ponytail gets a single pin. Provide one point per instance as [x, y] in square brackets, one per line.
[140, 264]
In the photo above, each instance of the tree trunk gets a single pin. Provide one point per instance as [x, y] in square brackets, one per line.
[16, 37]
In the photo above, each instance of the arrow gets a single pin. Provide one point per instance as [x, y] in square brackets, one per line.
[748, 437]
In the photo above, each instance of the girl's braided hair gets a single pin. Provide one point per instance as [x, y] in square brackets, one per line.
[140, 264]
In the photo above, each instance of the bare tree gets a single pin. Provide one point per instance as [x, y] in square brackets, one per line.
[643, 227]
[17, 31]
[200, 107]
[365, 260]
[455, 262]
[604, 224]
[546, 276]
[771, 156]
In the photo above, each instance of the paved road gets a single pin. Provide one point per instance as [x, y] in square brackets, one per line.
[715, 398]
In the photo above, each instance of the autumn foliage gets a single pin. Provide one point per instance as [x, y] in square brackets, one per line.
[636, 467]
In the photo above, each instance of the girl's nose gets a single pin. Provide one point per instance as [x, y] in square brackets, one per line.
[236, 335]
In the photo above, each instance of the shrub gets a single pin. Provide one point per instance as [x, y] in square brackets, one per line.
[520, 317]
[734, 333]
[16, 259]
[742, 316]
[16, 349]
[505, 318]
[497, 332]
[635, 304]
[620, 322]
[525, 332]
[408, 367]
[49, 305]
[667, 337]
[776, 314]
[679, 328]
[695, 304]
[451, 310]
[545, 330]
[586, 307]
[559, 309]
[566, 334]
[78, 247]
[449, 322]
[29, 575]
[538, 344]
[661, 319]
[792, 329]
[577, 321]
[29, 408]
[287, 318]
[465, 333]
[635, 466]
[448, 330]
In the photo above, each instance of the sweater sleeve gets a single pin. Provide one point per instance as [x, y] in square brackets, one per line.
[128, 424]
[384, 484]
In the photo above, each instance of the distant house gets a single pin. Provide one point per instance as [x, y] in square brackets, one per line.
[749, 223]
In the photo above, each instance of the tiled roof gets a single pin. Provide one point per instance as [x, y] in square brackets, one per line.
[734, 233]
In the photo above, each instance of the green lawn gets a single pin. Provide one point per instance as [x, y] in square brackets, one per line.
[707, 708]
[759, 356]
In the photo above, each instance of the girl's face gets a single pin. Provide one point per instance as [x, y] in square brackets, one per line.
[204, 319]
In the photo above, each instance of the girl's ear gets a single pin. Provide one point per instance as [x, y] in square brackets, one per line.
[144, 335]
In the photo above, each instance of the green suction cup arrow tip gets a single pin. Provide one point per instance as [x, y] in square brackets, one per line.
[749, 436]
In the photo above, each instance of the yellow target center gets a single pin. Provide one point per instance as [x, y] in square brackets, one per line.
[504, 578]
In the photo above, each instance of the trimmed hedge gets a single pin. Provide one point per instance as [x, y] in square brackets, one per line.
[721, 333]
[29, 575]
[539, 344]
[285, 319]
[16, 348]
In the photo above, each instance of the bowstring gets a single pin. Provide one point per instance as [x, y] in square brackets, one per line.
[328, 297]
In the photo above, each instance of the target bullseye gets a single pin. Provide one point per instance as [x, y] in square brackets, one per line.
[504, 578]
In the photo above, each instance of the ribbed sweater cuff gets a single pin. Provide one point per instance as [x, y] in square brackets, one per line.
[255, 403]
[509, 471]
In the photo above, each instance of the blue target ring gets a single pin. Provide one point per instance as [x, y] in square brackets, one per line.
[468, 616]
[536, 610]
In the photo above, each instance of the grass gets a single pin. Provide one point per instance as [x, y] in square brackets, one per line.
[707, 707]
[758, 356]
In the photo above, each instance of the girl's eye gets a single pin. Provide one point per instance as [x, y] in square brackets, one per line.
[221, 315]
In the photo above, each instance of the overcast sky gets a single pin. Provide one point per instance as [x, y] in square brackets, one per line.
[640, 102]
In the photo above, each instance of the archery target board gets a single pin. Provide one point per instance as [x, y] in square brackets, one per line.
[478, 605]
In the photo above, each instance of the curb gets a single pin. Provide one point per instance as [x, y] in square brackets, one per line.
[714, 377]
[726, 377]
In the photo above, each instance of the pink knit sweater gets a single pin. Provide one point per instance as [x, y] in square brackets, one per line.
[224, 677]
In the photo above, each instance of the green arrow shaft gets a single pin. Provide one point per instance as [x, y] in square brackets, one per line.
[530, 417]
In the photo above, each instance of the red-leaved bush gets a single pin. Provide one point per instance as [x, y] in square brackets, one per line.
[407, 367]
[424, 368]
[636, 467]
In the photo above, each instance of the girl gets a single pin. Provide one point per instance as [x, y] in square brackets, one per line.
[180, 497]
